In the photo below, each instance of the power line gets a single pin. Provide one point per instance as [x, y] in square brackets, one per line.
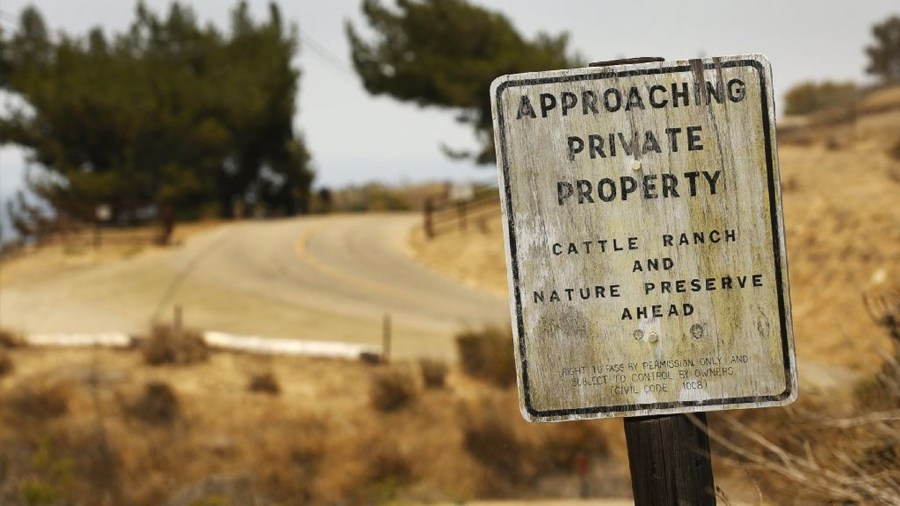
[325, 54]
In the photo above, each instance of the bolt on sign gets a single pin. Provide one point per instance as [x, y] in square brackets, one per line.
[644, 238]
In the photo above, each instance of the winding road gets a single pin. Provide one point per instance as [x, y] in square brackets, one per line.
[316, 278]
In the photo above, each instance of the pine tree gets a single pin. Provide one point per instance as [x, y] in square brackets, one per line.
[445, 53]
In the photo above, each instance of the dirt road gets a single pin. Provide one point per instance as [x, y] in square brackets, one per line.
[318, 278]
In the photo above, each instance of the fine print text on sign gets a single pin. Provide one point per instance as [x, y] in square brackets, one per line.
[644, 238]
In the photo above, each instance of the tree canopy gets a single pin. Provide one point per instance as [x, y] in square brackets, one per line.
[445, 53]
[170, 114]
[884, 55]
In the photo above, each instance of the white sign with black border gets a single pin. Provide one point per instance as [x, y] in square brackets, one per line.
[644, 238]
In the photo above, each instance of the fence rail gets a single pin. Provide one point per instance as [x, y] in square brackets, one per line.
[84, 237]
[441, 217]
[101, 236]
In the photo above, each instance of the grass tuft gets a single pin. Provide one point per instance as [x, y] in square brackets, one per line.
[488, 355]
[434, 373]
[264, 383]
[168, 345]
[393, 388]
[41, 400]
[157, 406]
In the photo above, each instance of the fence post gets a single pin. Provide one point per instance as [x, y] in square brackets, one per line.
[176, 324]
[669, 460]
[386, 337]
[428, 211]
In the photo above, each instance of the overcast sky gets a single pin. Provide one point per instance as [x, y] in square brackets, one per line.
[355, 137]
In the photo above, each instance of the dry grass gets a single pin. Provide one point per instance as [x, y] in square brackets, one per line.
[10, 339]
[515, 454]
[169, 345]
[6, 363]
[40, 400]
[820, 451]
[393, 388]
[264, 382]
[157, 406]
[817, 453]
[434, 373]
[487, 354]
[129, 438]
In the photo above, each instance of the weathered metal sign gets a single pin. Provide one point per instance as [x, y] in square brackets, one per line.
[644, 238]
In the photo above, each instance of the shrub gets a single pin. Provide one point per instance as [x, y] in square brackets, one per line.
[10, 339]
[388, 471]
[264, 383]
[488, 355]
[41, 400]
[158, 406]
[393, 388]
[434, 373]
[560, 445]
[809, 97]
[6, 363]
[167, 345]
[894, 151]
[490, 437]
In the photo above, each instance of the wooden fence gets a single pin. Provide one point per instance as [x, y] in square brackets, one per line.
[98, 237]
[444, 216]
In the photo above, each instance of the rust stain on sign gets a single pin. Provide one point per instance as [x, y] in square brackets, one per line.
[644, 238]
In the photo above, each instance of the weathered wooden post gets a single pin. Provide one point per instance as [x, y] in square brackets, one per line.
[461, 215]
[645, 252]
[177, 320]
[386, 337]
[428, 215]
[669, 460]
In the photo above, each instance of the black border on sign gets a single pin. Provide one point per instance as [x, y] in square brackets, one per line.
[776, 245]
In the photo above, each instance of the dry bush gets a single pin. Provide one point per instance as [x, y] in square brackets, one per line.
[168, 345]
[40, 400]
[372, 358]
[264, 383]
[10, 339]
[488, 355]
[489, 435]
[157, 406]
[287, 458]
[388, 472]
[516, 454]
[852, 460]
[809, 97]
[894, 151]
[819, 451]
[561, 444]
[217, 490]
[392, 388]
[6, 363]
[434, 373]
